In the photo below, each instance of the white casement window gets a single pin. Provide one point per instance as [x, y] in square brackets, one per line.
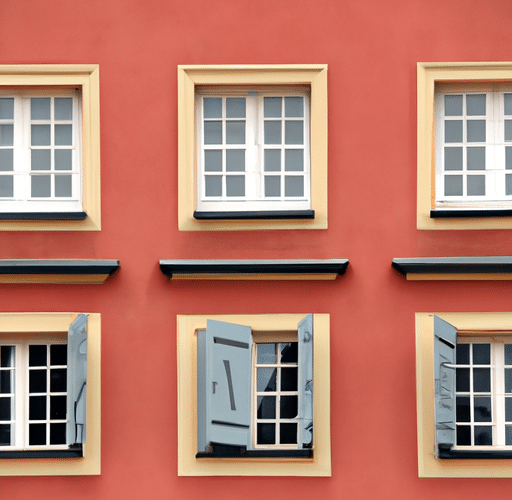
[33, 392]
[473, 146]
[253, 150]
[40, 151]
[484, 393]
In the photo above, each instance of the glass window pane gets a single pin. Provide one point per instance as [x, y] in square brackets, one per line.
[235, 160]
[5, 408]
[266, 379]
[63, 159]
[6, 163]
[40, 159]
[288, 379]
[482, 379]
[481, 354]
[453, 158]
[462, 379]
[5, 382]
[6, 108]
[476, 158]
[41, 186]
[294, 107]
[266, 407]
[453, 105]
[462, 354]
[40, 108]
[272, 186]
[289, 352]
[37, 434]
[63, 108]
[508, 380]
[235, 107]
[212, 107]
[6, 135]
[476, 185]
[293, 186]
[62, 186]
[266, 433]
[58, 380]
[483, 435]
[58, 433]
[475, 104]
[235, 132]
[463, 410]
[213, 161]
[63, 135]
[37, 355]
[482, 409]
[37, 408]
[213, 132]
[508, 130]
[476, 130]
[508, 409]
[5, 434]
[508, 434]
[235, 185]
[40, 135]
[508, 354]
[58, 354]
[272, 132]
[57, 407]
[294, 132]
[288, 433]
[463, 435]
[453, 131]
[213, 185]
[508, 157]
[6, 186]
[288, 406]
[272, 107]
[37, 381]
[272, 160]
[266, 354]
[453, 185]
[508, 184]
[294, 160]
[508, 103]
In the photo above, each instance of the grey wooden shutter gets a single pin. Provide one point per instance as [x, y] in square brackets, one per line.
[305, 381]
[77, 380]
[224, 384]
[445, 342]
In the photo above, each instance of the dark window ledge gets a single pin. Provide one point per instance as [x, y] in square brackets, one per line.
[259, 269]
[43, 216]
[451, 214]
[223, 451]
[263, 214]
[444, 453]
[72, 452]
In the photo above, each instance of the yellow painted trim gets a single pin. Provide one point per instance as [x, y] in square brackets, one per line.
[458, 277]
[427, 76]
[314, 76]
[86, 77]
[87, 279]
[188, 465]
[254, 277]
[479, 324]
[90, 463]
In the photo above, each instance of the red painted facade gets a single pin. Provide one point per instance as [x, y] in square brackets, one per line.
[372, 49]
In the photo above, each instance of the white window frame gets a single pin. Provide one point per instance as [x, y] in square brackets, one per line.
[20, 422]
[22, 200]
[254, 199]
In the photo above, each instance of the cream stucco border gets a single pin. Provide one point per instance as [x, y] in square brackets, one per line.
[427, 75]
[313, 75]
[466, 323]
[85, 77]
[188, 465]
[90, 463]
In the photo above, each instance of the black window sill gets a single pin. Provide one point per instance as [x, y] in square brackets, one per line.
[499, 454]
[222, 451]
[43, 215]
[264, 214]
[452, 214]
[72, 452]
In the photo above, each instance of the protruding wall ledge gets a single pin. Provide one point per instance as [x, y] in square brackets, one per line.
[455, 268]
[286, 269]
[56, 271]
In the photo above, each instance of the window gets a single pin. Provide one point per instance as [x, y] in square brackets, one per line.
[49, 147]
[464, 368]
[255, 396]
[245, 160]
[49, 394]
[248, 378]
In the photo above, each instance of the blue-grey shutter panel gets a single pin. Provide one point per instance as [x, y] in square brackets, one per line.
[77, 380]
[224, 384]
[445, 342]
[305, 381]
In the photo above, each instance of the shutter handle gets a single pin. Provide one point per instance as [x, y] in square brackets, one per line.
[213, 386]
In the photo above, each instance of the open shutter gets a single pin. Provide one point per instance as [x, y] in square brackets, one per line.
[77, 380]
[445, 342]
[305, 381]
[224, 384]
